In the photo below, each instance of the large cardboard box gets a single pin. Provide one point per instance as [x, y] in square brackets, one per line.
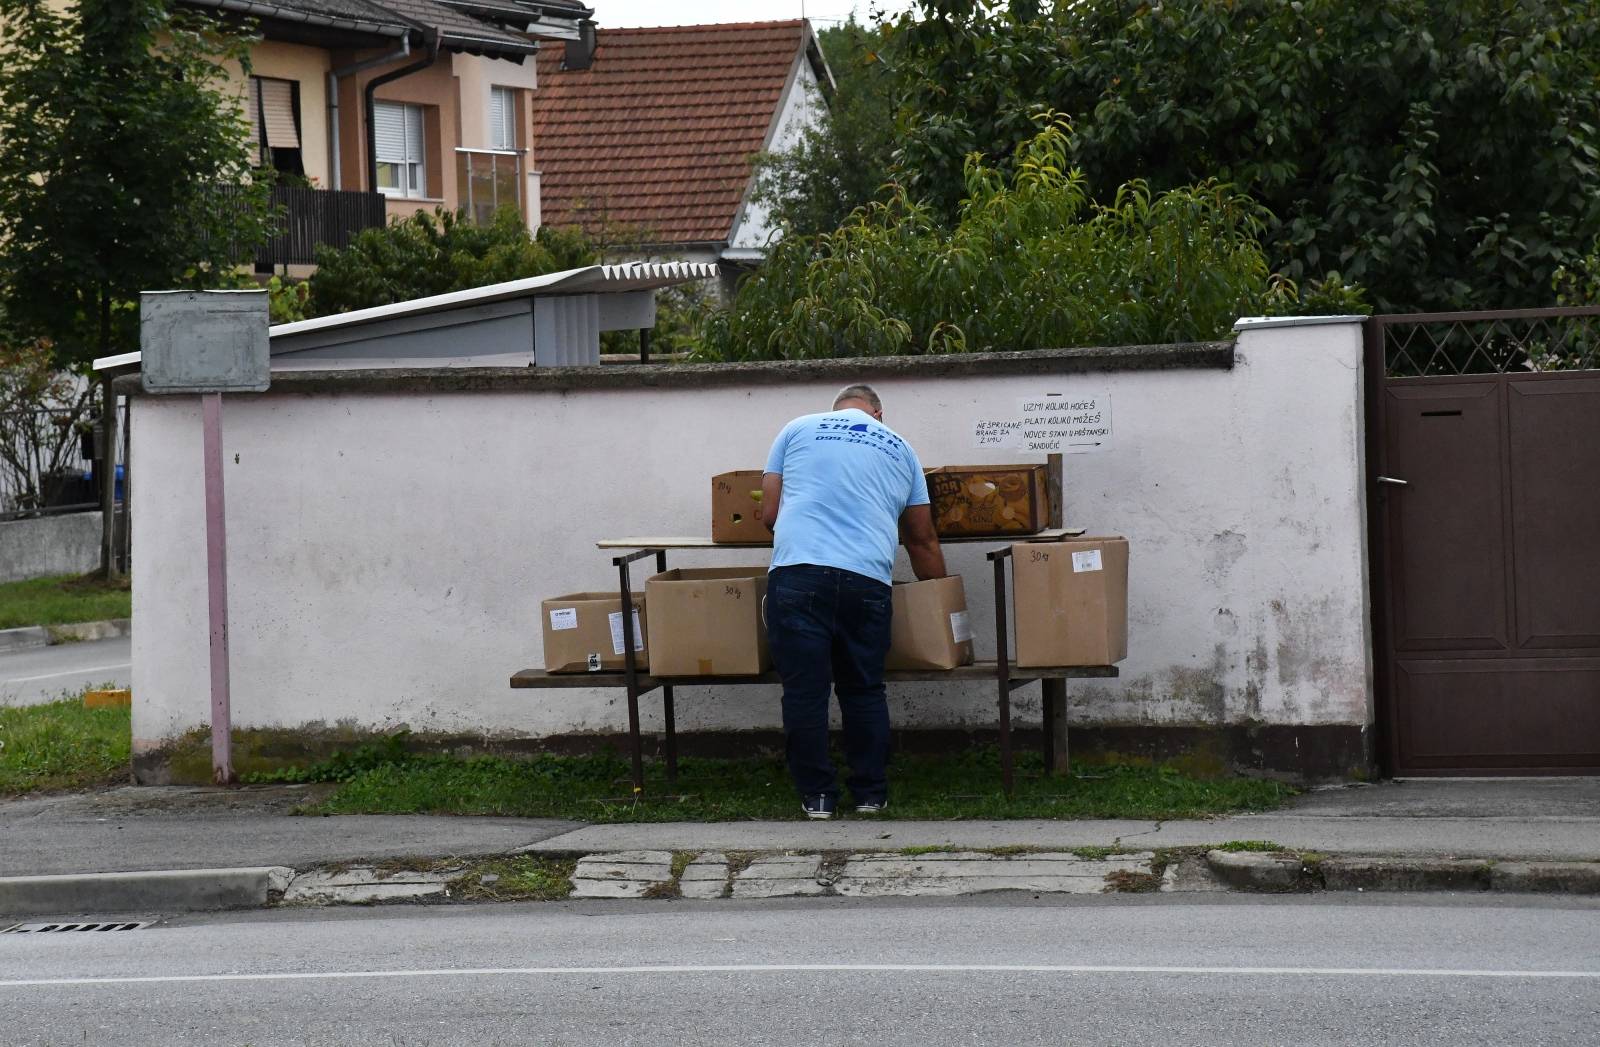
[583, 632]
[706, 621]
[1071, 601]
[736, 508]
[931, 629]
[973, 500]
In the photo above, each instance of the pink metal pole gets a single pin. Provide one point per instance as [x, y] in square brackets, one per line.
[217, 592]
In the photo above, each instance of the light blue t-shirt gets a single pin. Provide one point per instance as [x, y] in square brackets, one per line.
[847, 477]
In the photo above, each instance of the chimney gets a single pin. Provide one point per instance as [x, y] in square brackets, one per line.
[580, 52]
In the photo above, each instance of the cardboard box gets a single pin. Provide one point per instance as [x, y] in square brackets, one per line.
[971, 500]
[931, 629]
[583, 632]
[707, 621]
[1070, 602]
[736, 508]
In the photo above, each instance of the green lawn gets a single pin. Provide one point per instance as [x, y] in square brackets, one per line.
[62, 745]
[598, 789]
[60, 601]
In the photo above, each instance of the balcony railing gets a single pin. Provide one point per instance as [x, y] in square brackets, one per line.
[309, 217]
[487, 180]
[319, 216]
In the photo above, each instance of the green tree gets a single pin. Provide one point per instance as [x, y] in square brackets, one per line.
[1440, 155]
[1032, 262]
[844, 160]
[118, 135]
[427, 254]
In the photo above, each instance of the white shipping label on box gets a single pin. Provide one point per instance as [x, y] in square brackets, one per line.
[563, 618]
[616, 632]
[960, 626]
[1088, 560]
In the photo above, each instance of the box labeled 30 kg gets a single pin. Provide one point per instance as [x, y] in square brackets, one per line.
[930, 629]
[583, 632]
[706, 621]
[1071, 601]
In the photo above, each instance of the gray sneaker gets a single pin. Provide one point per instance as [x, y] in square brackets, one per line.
[872, 807]
[819, 806]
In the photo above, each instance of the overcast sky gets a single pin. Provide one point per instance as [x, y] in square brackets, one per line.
[823, 13]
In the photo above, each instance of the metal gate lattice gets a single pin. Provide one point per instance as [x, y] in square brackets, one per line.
[1526, 341]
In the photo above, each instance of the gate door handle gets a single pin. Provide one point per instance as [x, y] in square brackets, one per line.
[1391, 480]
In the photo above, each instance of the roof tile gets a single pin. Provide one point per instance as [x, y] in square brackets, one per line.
[654, 140]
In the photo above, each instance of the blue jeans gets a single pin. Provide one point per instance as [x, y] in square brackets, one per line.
[829, 629]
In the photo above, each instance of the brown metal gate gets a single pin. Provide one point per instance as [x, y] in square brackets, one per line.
[1484, 459]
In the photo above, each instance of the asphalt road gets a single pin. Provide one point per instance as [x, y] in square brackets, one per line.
[1108, 970]
[42, 674]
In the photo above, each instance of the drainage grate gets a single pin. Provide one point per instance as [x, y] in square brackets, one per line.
[53, 928]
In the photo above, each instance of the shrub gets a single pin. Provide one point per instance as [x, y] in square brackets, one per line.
[1032, 262]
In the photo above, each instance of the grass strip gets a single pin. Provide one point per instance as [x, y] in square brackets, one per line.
[385, 779]
[61, 745]
[63, 600]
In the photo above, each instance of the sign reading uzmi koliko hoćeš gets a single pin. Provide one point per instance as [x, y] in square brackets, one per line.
[204, 342]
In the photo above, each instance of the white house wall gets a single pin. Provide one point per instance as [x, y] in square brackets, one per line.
[389, 550]
[802, 108]
[476, 75]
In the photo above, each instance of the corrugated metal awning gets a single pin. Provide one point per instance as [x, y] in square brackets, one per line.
[592, 279]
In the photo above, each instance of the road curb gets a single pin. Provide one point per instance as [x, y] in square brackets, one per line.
[1256, 871]
[177, 890]
[1287, 871]
[26, 636]
[70, 632]
[1405, 874]
[195, 890]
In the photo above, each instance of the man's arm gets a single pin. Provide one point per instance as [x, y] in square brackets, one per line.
[771, 493]
[922, 541]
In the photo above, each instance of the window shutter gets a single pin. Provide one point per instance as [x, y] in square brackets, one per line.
[252, 112]
[502, 118]
[389, 131]
[277, 106]
[414, 133]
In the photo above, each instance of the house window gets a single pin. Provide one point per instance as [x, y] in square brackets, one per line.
[502, 118]
[273, 107]
[397, 130]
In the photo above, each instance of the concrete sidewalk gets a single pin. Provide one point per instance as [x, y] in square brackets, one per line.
[251, 830]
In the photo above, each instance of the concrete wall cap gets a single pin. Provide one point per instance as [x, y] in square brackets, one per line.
[1179, 356]
[1261, 323]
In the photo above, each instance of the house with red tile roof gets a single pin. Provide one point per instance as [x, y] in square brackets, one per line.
[647, 143]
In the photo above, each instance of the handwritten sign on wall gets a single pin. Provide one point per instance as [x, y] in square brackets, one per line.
[1051, 423]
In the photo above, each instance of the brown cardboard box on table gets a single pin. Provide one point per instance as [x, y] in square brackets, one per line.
[736, 508]
[930, 628]
[583, 632]
[1071, 601]
[706, 621]
[974, 500]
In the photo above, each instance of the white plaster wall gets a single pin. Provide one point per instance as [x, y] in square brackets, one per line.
[389, 552]
[802, 108]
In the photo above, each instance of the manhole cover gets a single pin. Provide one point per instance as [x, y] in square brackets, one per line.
[56, 928]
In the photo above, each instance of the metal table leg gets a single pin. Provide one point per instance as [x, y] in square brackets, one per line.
[630, 668]
[1056, 759]
[1003, 665]
[667, 712]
